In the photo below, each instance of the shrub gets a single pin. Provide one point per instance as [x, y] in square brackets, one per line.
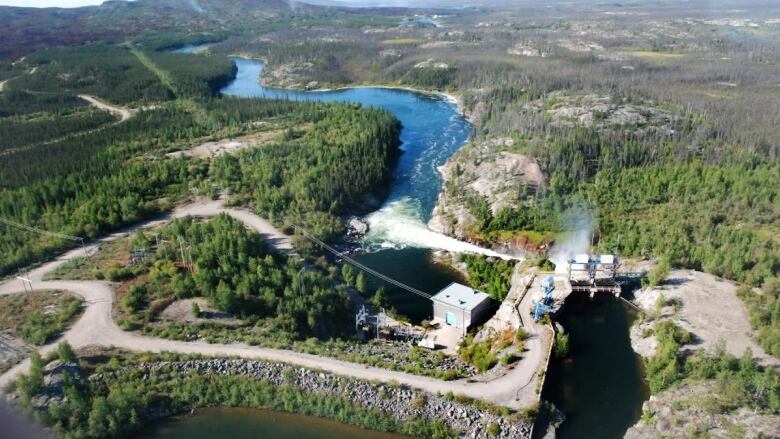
[195, 310]
[659, 273]
[522, 334]
[65, 353]
[561, 346]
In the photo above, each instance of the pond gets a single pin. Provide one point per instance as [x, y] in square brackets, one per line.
[242, 423]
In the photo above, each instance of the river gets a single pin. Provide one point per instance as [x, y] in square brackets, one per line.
[599, 387]
[399, 243]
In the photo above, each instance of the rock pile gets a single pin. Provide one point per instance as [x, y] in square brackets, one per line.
[400, 402]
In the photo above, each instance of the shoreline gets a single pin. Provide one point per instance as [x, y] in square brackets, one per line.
[453, 99]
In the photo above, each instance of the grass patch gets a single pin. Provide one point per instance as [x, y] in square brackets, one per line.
[653, 56]
[402, 41]
[38, 317]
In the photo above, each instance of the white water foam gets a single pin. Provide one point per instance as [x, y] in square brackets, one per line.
[581, 222]
[398, 225]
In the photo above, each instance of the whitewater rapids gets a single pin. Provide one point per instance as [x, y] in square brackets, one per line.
[398, 225]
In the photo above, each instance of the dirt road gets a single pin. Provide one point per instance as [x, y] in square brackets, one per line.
[123, 113]
[96, 327]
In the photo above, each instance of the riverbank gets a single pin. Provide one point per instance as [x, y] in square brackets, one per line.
[454, 99]
[184, 384]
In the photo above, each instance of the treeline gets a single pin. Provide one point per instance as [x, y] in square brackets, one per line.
[115, 73]
[94, 183]
[15, 102]
[764, 307]
[710, 218]
[196, 76]
[96, 152]
[234, 270]
[429, 78]
[647, 212]
[88, 205]
[312, 179]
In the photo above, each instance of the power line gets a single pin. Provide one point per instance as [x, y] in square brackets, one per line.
[31, 229]
[40, 231]
[357, 264]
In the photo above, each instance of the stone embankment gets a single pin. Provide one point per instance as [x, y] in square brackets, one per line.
[399, 402]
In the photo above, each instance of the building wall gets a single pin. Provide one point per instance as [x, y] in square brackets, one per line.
[440, 311]
[481, 312]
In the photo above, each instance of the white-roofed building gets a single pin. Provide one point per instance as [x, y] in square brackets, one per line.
[459, 305]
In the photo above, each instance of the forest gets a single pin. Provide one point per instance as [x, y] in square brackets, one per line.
[123, 74]
[491, 276]
[97, 176]
[233, 268]
[310, 180]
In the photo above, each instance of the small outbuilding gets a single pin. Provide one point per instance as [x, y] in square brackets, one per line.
[459, 305]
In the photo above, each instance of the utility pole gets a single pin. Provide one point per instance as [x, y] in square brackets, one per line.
[183, 257]
[84, 248]
[463, 321]
[159, 242]
[25, 282]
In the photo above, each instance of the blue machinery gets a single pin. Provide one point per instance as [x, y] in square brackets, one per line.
[543, 305]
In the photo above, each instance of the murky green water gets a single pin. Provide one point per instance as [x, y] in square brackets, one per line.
[600, 386]
[240, 423]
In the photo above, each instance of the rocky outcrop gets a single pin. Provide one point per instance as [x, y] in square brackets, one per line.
[53, 377]
[604, 112]
[486, 171]
[401, 403]
[684, 411]
[508, 317]
[295, 75]
[710, 310]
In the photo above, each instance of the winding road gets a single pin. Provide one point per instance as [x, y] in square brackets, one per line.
[96, 326]
[123, 113]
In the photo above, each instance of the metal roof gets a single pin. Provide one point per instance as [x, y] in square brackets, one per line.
[461, 296]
